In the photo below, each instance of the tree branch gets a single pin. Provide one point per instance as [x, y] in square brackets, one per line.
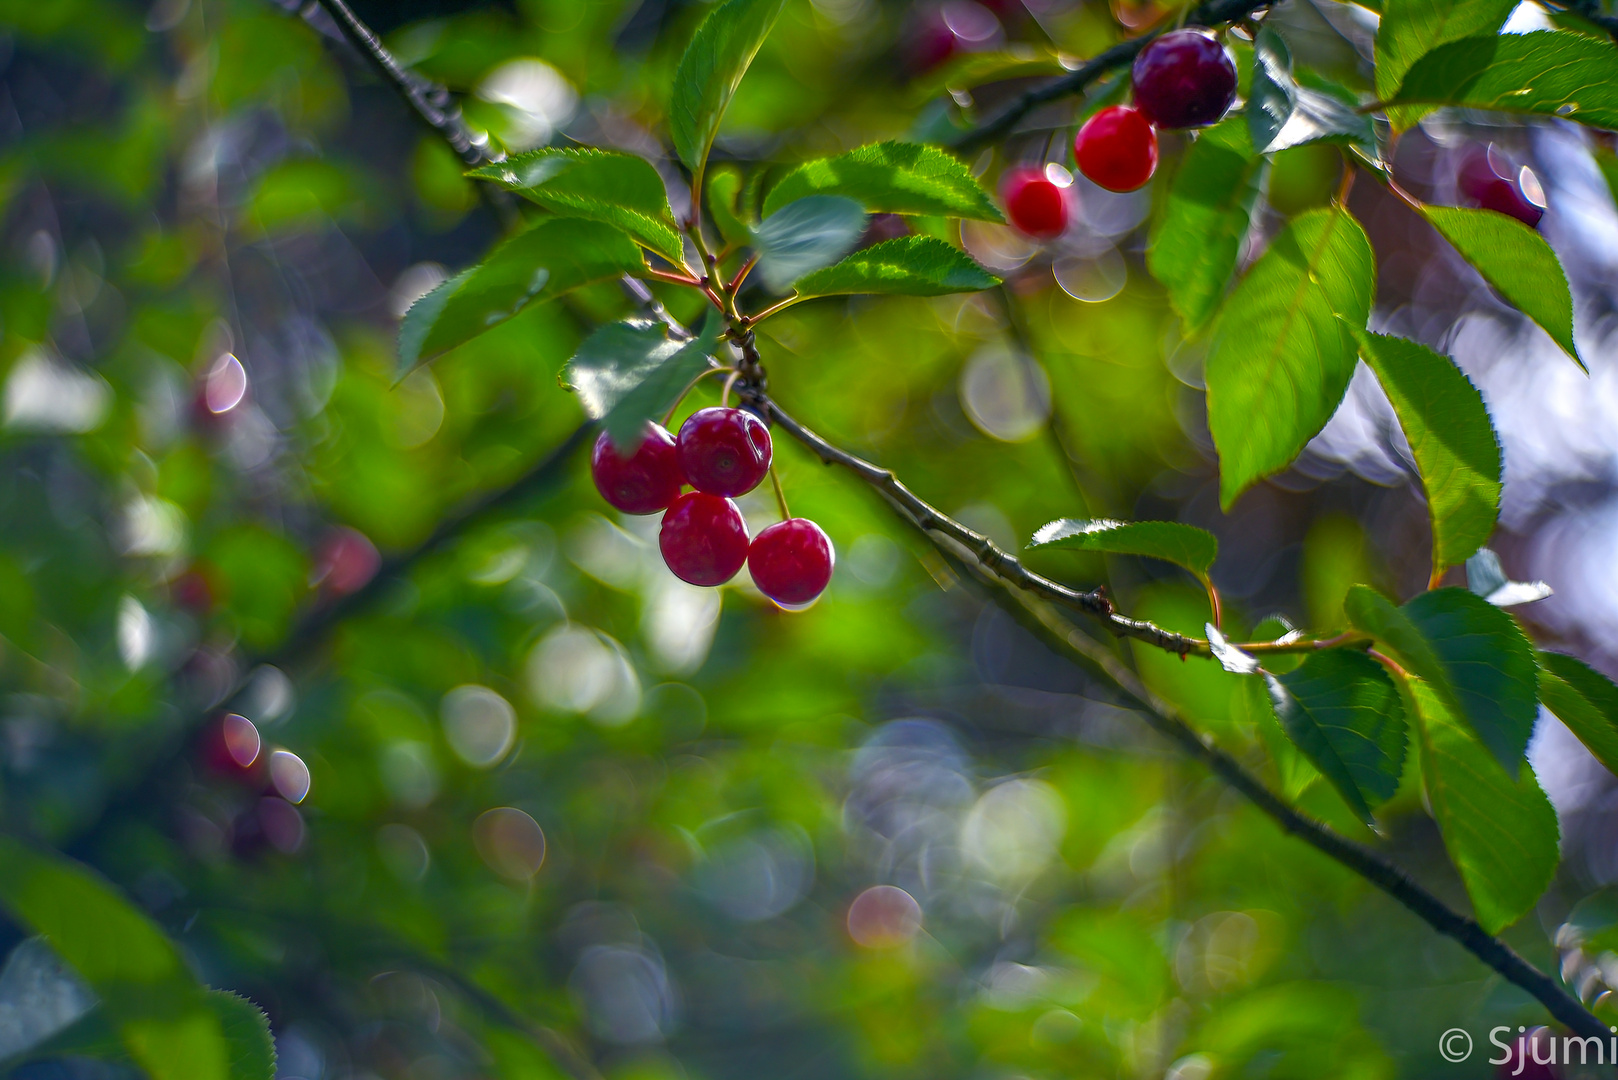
[1211, 13]
[1029, 597]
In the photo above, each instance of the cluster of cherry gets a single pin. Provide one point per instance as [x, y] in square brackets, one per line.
[721, 452]
[1183, 79]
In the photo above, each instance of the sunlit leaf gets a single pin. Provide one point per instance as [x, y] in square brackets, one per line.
[554, 256]
[806, 235]
[1342, 710]
[1281, 357]
[1501, 833]
[1473, 655]
[1547, 72]
[1517, 261]
[620, 190]
[158, 1008]
[1486, 578]
[1456, 450]
[631, 371]
[1183, 545]
[1412, 28]
[1283, 114]
[710, 71]
[910, 265]
[1194, 245]
[1583, 699]
[891, 178]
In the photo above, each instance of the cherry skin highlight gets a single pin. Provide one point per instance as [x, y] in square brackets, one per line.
[703, 539]
[1184, 79]
[791, 561]
[646, 481]
[1117, 149]
[1034, 205]
[724, 451]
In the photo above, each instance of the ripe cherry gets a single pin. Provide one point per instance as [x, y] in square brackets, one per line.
[1117, 148]
[230, 748]
[1184, 79]
[646, 481]
[724, 451]
[1529, 1056]
[944, 30]
[1488, 179]
[703, 539]
[1035, 206]
[791, 561]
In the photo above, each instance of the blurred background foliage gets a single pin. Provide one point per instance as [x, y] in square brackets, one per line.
[531, 793]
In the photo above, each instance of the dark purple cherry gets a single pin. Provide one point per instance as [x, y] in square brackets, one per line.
[703, 539]
[791, 561]
[1183, 79]
[1489, 179]
[646, 481]
[724, 451]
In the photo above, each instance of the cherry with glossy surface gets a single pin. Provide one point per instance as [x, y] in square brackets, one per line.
[791, 561]
[1490, 180]
[1117, 149]
[1034, 205]
[646, 481]
[724, 451]
[703, 538]
[1184, 79]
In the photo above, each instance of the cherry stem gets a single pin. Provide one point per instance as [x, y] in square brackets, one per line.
[741, 275]
[724, 395]
[754, 320]
[780, 496]
[690, 386]
[1213, 601]
[673, 278]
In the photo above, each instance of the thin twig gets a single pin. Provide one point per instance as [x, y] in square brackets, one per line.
[1212, 13]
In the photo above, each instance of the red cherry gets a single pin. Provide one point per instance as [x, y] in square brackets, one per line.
[703, 539]
[791, 561]
[724, 451]
[230, 747]
[1117, 149]
[346, 561]
[1489, 180]
[1035, 206]
[1184, 79]
[1520, 1063]
[644, 482]
[193, 591]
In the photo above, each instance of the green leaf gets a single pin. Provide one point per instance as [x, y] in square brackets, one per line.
[1183, 545]
[1194, 245]
[1454, 444]
[1583, 699]
[891, 178]
[711, 69]
[1486, 578]
[1475, 657]
[804, 236]
[1517, 261]
[1412, 28]
[157, 1006]
[631, 371]
[1501, 833]
[247, 1036]
[1546, 73]
[1343, 711]
[554, 256]
[910, 265]
[724, 187]
[1282, 114]
[1281, 359]
[620, 190]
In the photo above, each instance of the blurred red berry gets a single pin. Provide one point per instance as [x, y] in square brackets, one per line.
[940, 31]
[231, 748]
[1034, 205]
[1520, 1064]
[1490, 180]
[346, 561]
